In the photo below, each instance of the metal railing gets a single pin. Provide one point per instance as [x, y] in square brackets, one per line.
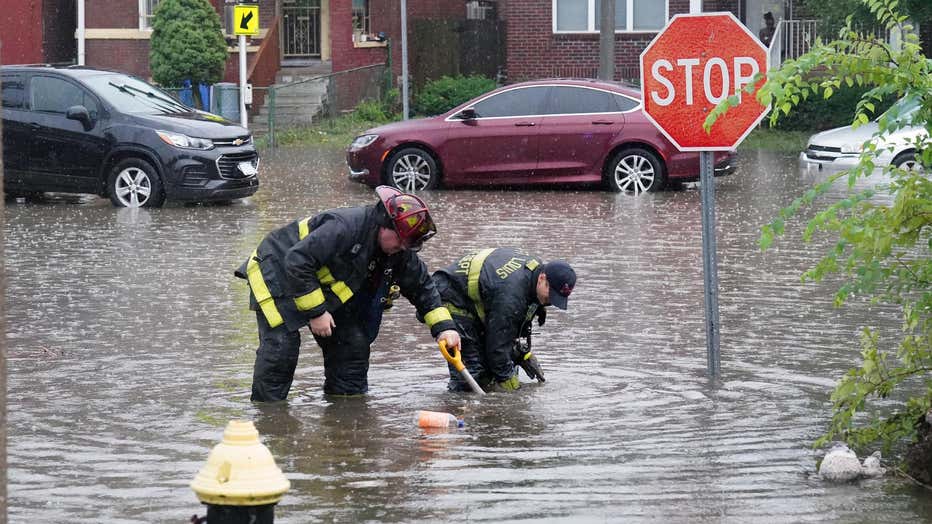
[792, 39]
[338, 92]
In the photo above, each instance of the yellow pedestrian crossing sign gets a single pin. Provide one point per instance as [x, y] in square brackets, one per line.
[246, 19]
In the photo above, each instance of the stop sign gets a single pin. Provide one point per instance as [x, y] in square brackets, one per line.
[696, 62]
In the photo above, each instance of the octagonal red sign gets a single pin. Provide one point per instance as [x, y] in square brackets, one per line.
[696, 62]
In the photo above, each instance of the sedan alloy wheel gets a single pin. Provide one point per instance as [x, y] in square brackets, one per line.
[636, 171]
[413, 170]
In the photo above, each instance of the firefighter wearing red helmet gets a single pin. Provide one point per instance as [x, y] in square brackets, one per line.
[335, 272]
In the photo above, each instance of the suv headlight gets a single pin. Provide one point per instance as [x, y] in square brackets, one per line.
[185, 141]
[363, 141]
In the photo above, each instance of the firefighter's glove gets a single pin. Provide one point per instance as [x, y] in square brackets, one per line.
[521, 355]
[531, 366]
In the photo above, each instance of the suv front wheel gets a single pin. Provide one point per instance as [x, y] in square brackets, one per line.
[133, 182]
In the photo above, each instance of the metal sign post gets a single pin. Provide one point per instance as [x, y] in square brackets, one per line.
[690, 67]
[709, 261]
[245, 22]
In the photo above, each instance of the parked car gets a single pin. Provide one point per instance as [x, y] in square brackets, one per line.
[840, 148]
[542, 132]
[81, 130]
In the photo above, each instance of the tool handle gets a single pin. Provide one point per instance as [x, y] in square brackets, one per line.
[457, 360]
[454, 358]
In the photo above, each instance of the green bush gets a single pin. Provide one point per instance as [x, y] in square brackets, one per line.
[187, 43]
[439, 96]
[371, 111]
[817, 113]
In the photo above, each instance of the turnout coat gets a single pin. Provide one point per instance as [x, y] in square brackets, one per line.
[320, 263]
[497, 288]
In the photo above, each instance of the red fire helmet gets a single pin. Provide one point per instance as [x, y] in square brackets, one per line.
[409, 215]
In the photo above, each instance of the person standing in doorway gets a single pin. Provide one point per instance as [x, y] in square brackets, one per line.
[766, 33]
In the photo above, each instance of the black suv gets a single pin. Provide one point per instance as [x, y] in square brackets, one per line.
[81, 130]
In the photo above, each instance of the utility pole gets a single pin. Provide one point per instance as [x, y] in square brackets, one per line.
[607, 41]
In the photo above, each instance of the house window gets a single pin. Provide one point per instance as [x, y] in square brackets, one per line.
[583, 16]
[146, 13]
[361, 16]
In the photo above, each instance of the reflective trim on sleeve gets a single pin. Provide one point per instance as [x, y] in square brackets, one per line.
[472, 280]
[310, 300]
[324, 276]
[261, 291]
[532, 264]
[342, 291]
[304, 228]
[437, 315]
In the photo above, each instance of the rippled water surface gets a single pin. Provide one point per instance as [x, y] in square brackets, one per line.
[130, 346]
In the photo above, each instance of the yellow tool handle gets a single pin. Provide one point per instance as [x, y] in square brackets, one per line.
[455, 358]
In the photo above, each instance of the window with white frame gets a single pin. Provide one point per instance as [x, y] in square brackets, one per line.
[583, 16]
[361, 16]
[146, 13]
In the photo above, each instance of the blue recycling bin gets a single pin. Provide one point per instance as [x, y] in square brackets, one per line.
[186, 95]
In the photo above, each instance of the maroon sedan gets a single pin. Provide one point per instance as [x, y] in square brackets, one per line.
[542, 132]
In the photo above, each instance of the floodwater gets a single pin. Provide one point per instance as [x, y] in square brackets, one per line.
[130, 346]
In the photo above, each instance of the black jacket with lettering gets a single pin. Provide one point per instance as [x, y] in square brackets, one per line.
[318, 264]
[508, 292]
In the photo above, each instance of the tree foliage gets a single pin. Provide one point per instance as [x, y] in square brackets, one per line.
[883, 244]
[187, 43]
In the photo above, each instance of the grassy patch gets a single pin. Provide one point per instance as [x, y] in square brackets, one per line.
[776, 140]
[336, 132]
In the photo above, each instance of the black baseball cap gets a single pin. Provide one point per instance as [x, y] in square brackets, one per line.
[561, 278]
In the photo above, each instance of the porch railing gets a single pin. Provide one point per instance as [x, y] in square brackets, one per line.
[344, 91]
[792, 39]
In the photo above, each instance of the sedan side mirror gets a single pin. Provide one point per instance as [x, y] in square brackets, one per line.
[468, 114]
[80, 114]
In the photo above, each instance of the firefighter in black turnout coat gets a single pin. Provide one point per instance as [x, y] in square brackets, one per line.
[493, 296]
[334, 272]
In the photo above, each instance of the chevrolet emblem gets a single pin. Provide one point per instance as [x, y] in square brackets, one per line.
[238, 142]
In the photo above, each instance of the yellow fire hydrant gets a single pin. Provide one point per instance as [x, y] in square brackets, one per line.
[240, 483]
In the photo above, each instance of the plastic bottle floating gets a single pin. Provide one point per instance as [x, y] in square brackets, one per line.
[437, 419]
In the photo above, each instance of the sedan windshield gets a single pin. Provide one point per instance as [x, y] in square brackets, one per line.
[131, 95]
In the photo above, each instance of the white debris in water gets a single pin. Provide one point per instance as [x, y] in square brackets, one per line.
[840, 464]
[871, 467]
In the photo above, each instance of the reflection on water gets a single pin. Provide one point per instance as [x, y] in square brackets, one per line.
[130, 347]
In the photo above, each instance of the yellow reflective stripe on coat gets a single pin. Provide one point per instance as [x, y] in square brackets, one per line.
[532, 264]
[304, 228]
[310, 300]
[261, 291]
[472, 280]
[316, 297]
[342, 291]
[437, 315]
[324, 275]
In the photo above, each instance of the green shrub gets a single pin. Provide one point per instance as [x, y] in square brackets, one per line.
[187, 44]
[439, 96]
[371, 111]
[817, 113]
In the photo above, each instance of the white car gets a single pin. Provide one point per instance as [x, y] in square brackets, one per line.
[840, 148]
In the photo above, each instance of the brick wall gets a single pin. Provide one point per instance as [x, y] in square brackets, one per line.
[111, 14]
[534, 51]
[22, 35]
[128, 56]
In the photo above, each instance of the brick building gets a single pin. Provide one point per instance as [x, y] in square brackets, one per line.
[560, 38]
[38, 31]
